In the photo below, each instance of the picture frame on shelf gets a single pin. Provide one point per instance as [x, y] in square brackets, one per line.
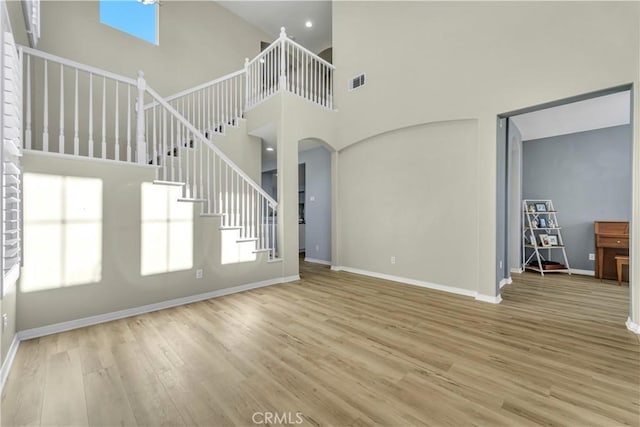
[542, 223]
[541, 207]
[532, 208]
[553, 240]
[544, 240]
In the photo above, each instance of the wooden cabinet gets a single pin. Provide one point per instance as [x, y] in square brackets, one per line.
[612, 238]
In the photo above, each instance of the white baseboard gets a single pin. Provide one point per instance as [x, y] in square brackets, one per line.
[317, 261]
[336, 268]
[506, 281]
[489, 298]
[517, 270]
[408, 281]
[115, 315]
[8, 361]
[633, 327]
[582, 272]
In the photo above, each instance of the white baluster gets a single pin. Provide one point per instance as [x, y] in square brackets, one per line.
[141, 143]
[27, 133]
[45, 122]
[154, 148]
[283, 79]
[179, 152]
[128, 123]
[164, 145]
[246, 83]
[104, 117]
[194, 183]
[90, 139]
[117, 127]
[209, 200]
[76, 124]
[173, 152]
[61, 113]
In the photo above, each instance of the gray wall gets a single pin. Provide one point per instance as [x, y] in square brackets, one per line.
[317, 212]
[588, 177]
[514, 199]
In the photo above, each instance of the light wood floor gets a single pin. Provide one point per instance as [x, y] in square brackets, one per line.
[345, 350]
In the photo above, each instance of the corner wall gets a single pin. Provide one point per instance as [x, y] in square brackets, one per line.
[121, 285]
[447, 61]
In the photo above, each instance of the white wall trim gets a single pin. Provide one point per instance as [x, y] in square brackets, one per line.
[8, 361]
[88, 159]
[115, 315]
[633, 327]
[489, 298]
[408, 281]
[336, 268]
[517, 270]
[317, 261]
[582, 272]
[506, 281]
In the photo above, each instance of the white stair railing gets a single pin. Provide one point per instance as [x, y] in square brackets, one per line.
[185, 156]
[93, 113]
[287, 66]
[72, 108]
[211, 106]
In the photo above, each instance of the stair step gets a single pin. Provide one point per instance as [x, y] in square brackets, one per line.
[217, 215]
[172, 183]
[275, 260]
[230, 228]
[248, 239]
[261, 250]
[189, 200]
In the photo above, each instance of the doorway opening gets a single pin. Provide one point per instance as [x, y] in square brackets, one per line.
[577, 154]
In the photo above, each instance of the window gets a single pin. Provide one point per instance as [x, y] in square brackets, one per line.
[132, 17]
[167, 230]
[62, 231]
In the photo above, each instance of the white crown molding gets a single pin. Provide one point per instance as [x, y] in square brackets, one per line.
[633, 327]
[8, 361]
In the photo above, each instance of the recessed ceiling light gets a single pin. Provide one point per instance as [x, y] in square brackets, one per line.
[308, 24]
[269, 148]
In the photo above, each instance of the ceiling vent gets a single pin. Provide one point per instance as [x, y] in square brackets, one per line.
[356, 82]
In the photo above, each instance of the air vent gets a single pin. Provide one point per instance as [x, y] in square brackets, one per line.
[356, 82]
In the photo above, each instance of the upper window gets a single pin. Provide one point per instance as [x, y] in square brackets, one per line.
[131, 16]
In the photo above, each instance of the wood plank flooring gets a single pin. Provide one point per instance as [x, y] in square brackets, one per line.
[347, 350]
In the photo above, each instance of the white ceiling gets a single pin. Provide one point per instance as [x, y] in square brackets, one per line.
[595, 113]
[269, 16]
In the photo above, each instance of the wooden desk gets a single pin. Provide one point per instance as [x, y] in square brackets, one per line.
[612, 238]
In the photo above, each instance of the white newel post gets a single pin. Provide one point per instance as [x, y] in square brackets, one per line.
[283, 75]
[141, 143]
[246, 83]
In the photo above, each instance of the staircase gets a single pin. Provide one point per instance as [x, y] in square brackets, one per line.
[87, 112]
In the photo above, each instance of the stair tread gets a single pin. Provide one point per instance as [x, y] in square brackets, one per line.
[173, 183]
[230, 228]
[212, 214]
[248, 239]
[190, 200]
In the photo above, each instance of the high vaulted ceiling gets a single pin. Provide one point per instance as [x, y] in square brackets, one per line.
[269, 16]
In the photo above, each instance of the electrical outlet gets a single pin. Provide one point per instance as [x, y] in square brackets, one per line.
[199, 273]
[5, 321]
[500, 264]
[393, 260]
[317, 248]
[312, 198]
[592, 257]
